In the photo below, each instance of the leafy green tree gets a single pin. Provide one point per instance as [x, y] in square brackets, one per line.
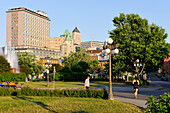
[136, 39]
[94, 65]
[25, 69]
[30, 61]
[66, 69]
[4, 65]
[57, 68]
[75, 57]
[85, 66]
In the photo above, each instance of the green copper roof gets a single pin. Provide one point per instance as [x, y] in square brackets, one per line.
[67, 35]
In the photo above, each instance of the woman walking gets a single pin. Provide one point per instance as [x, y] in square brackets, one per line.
[135, 83]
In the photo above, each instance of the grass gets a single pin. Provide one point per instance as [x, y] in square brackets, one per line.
[80, 84]
[60, 105]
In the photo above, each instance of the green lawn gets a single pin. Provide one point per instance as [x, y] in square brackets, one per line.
[71, 84]
[64, 105]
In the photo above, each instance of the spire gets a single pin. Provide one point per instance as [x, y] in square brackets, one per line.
[76, 30]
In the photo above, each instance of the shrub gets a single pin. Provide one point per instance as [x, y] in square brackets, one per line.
[131, 78]
[160, 105]
[143, 82]
[26, 91]
[16, 77]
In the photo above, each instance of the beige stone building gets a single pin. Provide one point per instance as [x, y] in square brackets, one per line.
[92, 45]
[66, 43]
[55, 43]
[27, 28]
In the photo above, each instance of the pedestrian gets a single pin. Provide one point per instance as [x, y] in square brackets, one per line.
[135, 83]
[87, 83]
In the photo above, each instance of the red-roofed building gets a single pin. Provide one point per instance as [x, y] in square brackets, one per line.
[96, 55]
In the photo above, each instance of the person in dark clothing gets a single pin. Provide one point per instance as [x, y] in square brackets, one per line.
[135, 83]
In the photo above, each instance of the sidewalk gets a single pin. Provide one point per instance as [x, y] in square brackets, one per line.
[136, 102]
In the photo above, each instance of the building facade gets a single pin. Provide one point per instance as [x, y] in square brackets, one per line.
[55, 43]
[66, 42]
[97, 55]
[92, 45]
[39, 52]
[49, 61]
[27, 28]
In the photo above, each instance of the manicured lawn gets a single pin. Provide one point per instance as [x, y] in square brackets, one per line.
[64, 105]
[71, 84]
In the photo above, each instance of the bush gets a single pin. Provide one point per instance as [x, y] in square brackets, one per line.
[73, 76]
[131, 78]
[160, 105]
[26, 91]
[15, 77]
[143, 82]
[39, 79]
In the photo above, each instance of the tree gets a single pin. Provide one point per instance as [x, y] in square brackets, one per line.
[94, 66]
[29, 60]
[57, 68]
[4, 65]
[25, 69]
[75, 57]
[136, 39]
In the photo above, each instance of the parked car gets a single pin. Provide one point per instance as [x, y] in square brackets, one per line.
[164, 79]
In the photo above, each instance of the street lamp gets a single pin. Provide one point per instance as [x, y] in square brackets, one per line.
[54, 78]
[109, 49]
[137, 65]
[47, 65]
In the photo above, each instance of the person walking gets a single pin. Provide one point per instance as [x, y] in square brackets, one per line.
[135, 83]
[87, 83]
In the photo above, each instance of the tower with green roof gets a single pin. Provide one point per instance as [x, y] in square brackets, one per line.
[67, 35]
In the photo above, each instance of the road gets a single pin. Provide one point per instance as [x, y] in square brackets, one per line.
[156, 88]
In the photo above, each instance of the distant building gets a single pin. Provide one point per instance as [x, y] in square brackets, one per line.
[55, 43]
[50, 61]
[39, 52]
[92, 45]
[97, 55]
[66, 43]
[27, 28]
[2, 50]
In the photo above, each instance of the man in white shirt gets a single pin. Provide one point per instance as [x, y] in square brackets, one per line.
[87, 83]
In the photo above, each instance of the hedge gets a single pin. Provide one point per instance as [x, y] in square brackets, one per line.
[15, 77]
[91, 93]
[72, 76]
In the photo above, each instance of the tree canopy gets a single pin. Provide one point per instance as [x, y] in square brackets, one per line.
[76, 57]
[136, 39]
[4, 65]
[29, 61]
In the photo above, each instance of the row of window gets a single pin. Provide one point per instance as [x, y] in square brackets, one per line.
[14, 14]
[14, 21]
[35, 18]
[14, 41]
[15, 18]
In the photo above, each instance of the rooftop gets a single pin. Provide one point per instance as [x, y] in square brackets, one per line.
[29, 11]
[76, 30]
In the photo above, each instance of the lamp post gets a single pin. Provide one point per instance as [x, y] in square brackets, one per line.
[54, 78]
[137, 65]
[47, 65]
[109, 49]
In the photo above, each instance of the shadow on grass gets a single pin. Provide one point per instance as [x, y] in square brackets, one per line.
[38, 103]
[80, 112]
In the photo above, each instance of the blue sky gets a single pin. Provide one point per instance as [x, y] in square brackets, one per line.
[92, 17]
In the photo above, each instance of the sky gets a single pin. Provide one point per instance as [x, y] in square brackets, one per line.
[93, 18]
